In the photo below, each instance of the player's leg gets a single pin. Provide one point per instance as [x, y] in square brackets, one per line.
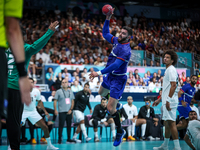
[62, 116]
[35, 118]
[31, 130]
[83, 129]
[103, 91]
[112, 127]
[14, 117]
[174, 133]
[78, 130]
[94, 123]
[69, 122]
[143, 124]
[183, 124]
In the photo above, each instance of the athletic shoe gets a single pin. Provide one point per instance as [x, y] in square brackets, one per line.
[151, 138]
[88, 139]
[119, 106]
[43, 141]
[124, 139]
[51, 147]
[70, 141]
[33, 141]
[119, 138]
[130, 138]
[77, 141]
[96, 139]
[161, 148]
[157, 139]
[23, 141]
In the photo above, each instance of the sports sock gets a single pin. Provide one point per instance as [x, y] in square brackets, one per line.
[129, 130]
[133, 129]
[48, 140]
[83, 130]
[176, 144]
[116, 117]
[112, 126]
[95, 134]
[143, 129]
[166, 141]
[75, 135]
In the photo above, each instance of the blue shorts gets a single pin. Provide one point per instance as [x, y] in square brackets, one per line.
[115, 84]
[184, 112]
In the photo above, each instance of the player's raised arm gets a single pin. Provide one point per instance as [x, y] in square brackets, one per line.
[106, 33]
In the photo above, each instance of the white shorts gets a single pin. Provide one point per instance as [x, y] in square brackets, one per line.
[32, 116]
[170, 115]
[79, 115]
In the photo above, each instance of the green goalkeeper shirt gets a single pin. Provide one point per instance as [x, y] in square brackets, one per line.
[13, 75]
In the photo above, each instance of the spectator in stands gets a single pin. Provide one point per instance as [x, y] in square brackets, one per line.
[98, 62]
[196, 69]
[149, 75]
[145, 62]
[136, 73]
[43, 56]
[183, 77]
[154, 76]
[146, 79]
[76, 87]
[158, 75]
[160, 94]
[81, 100]
[153, 125]
[152, 85]
[51, 98]
[157, 64]
[151, 63]
[134, 21]
[127, 20]
[198, 81]
[137, 78]
[99, 118]
[58, 81]
[50, 76]
[39, 67]
[132, 113]
[187, 80]
[83, 81]
[66, 73]
[65, 99]
[78, 72]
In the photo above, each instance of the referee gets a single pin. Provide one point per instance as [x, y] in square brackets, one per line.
[10, 12]
[81, 100]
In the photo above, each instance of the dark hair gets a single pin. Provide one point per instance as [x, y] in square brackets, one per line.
[130, 32]
[173, 55]
[192, 111]
[103, 99]
[193, 76]
[87, 83]
[49, 68]
[31, 79]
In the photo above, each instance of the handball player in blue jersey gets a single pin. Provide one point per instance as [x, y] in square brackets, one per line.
[115, 77]
[185, 95]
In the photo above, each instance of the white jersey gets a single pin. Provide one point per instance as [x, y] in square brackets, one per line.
[193, 131]
[170, 75]
[131, 111]
[35, 96]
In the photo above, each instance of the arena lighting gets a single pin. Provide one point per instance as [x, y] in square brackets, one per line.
[130, 3]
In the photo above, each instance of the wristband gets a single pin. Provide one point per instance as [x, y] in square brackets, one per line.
[180, 99]
[21, 67]
[169, 99]
[99, 73]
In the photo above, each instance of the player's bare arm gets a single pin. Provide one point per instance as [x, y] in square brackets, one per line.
[156, 102]
[182, 101]
[187, 140]
[171, 93]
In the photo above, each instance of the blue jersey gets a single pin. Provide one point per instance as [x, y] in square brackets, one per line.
[188, 93]
[119, 51]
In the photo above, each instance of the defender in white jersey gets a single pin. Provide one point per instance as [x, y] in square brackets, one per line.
[31, 113]
[169, 100]
[192, 136]
[132, 113]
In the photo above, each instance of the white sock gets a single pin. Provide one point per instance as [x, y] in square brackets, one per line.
[96, 134]
[176, 144]
[75, 135]
[112, 126]
[34, 76]
[166, 141]
[48, 140]
[129, 130]
[143, 129]
[133, 129]
[83, 130]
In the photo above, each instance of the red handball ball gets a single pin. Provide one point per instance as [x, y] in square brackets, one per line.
[107, 10]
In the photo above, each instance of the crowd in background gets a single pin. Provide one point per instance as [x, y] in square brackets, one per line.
[79, 39]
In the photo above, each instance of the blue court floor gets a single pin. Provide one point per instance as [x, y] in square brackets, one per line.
[135, 145]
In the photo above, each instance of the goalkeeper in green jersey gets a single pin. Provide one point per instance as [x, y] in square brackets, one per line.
[15, 105]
